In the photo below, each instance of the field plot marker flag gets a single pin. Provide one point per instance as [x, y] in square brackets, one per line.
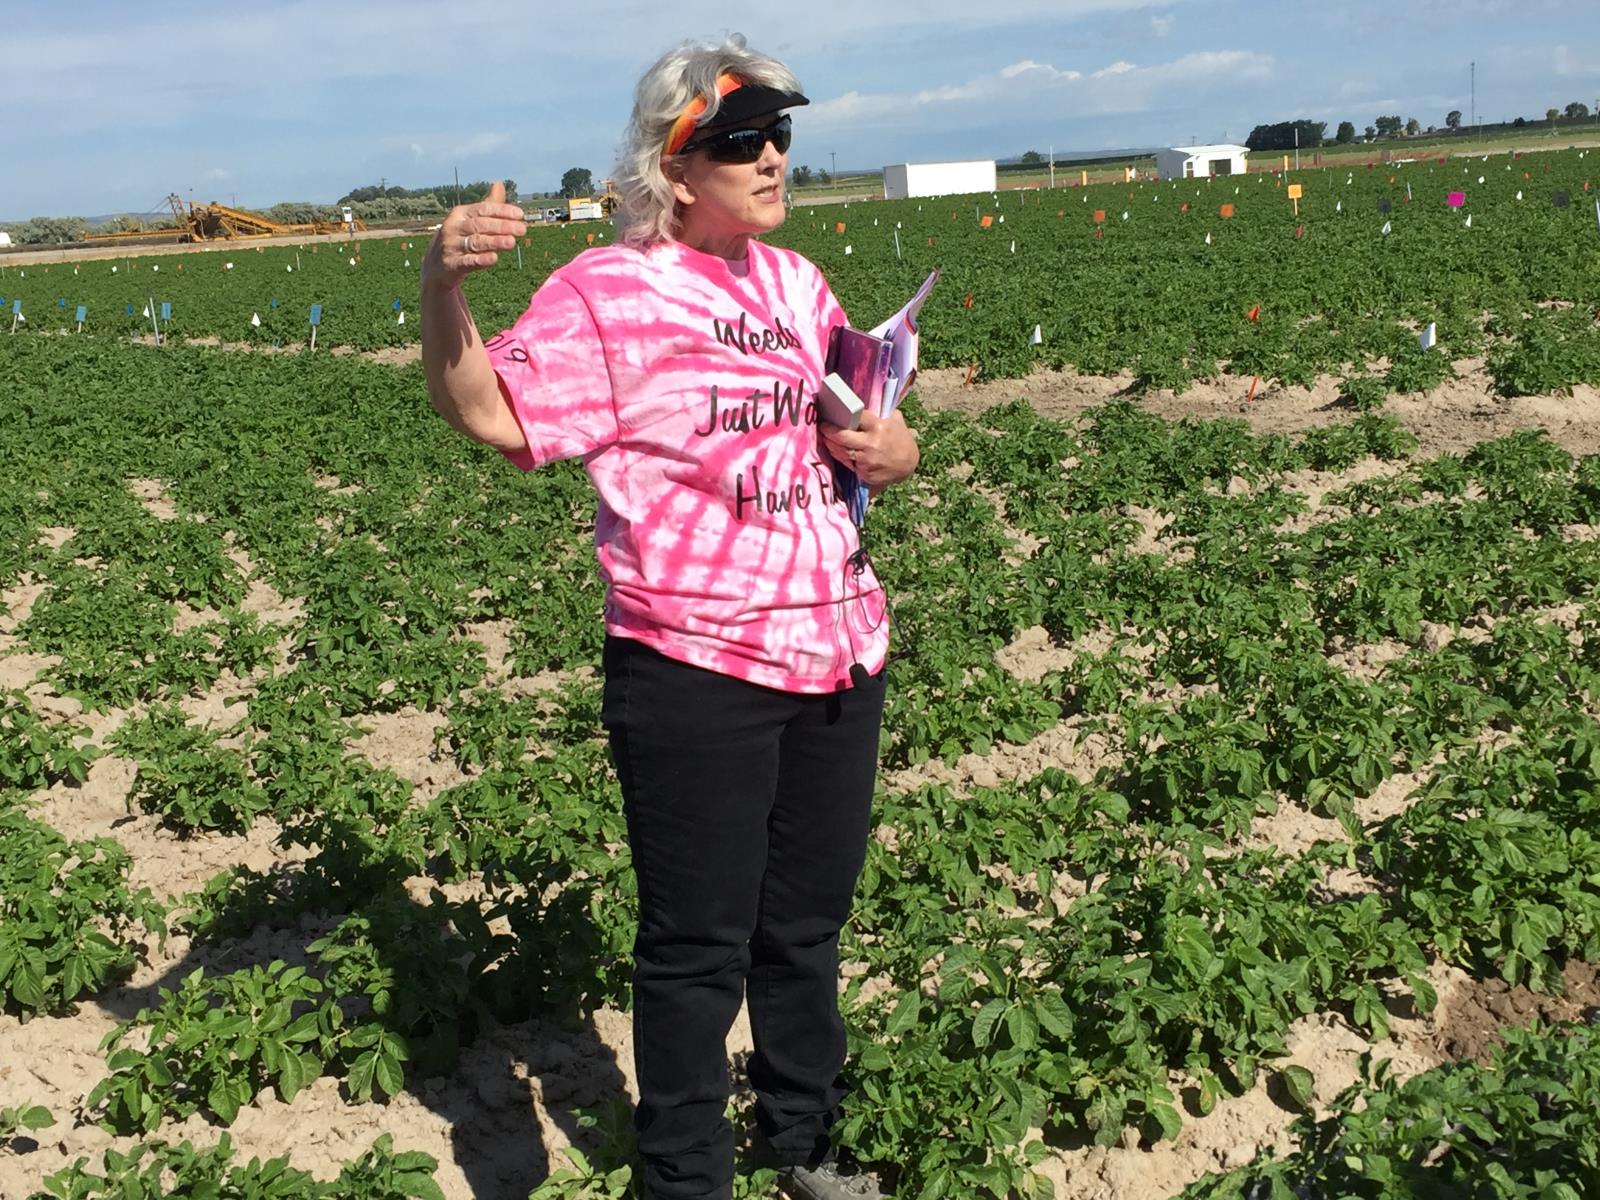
[83, 313]
[1429, 336]
[1295, 192]
[316, 319]
[16, 314]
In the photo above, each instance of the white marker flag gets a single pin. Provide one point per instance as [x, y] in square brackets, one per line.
[1469, 221]
[255, 320]
[1036, 337]
[1386, 229]
[1429, 336]
[402, 319]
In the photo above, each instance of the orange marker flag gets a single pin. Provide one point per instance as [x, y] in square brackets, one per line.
[588, 239]
[1099, 216]
[967, 303]
[1255, 314]
[1227, 210]
[1183, 207]
[838, 226]
[986, 222]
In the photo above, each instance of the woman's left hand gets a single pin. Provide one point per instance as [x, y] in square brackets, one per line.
[881, 452]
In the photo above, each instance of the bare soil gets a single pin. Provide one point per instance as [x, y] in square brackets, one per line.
[498, 1121]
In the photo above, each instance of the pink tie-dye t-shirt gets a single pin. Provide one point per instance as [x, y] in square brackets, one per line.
[686, 383]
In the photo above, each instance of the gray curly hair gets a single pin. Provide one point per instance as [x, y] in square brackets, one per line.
[648, 212]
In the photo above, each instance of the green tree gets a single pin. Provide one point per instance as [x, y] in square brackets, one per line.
[511, 191]
[1346, 134]
[577, 181]
[1576, 111]
[1551, 115]
[1372, 132]
[1032, 156]
[1389, 126]
[1282, 135]
[802, 176]
[1413, 127]
[43, 231]
[1453, 118]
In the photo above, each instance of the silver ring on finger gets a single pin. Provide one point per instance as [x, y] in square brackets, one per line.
[466, 243]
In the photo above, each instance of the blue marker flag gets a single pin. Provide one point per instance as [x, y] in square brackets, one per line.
[61, 303]
[16, 307]
[274, 303]
[395, 307]
[130, 310]
[83, 312]
[166, 310]
[316, 314]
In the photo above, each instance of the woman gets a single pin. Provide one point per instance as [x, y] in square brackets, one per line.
[746, 632]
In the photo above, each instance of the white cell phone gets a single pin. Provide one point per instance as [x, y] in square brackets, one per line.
[839, 404]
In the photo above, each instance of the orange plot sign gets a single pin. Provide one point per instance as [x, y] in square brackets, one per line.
[986, 221]
[1099, 216]
[1226, 210]
[1295, 191]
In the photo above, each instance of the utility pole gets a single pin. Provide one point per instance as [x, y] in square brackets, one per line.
[457, 170]
[1474, 98]
[383, 186]
[833, 156]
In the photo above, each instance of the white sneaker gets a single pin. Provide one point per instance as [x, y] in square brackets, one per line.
[830, 1181]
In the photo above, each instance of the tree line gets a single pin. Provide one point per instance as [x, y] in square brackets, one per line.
[1286, 135]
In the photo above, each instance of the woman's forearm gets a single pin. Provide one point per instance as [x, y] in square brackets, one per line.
[462, 386]
[461, 383]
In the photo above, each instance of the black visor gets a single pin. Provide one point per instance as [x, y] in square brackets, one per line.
[750, 100]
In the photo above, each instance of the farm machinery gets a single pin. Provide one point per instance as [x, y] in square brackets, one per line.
[218, 222]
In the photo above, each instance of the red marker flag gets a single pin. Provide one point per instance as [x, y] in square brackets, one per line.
[1255, 314]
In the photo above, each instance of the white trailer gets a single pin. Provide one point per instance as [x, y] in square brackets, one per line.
[904, 180]
[1201, 162]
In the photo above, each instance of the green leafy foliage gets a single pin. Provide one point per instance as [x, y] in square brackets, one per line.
[68, 920]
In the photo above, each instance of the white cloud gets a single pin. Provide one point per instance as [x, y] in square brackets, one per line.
[1040, 87]
[480, 143]
[1569, 65]
[416, 151]
[217, 174]
[1161, 26]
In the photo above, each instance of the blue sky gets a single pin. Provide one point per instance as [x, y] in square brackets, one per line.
[109, 111]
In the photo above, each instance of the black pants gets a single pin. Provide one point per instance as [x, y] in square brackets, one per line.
[748, 812]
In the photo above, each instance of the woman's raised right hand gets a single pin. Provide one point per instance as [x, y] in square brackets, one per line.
[471, 237]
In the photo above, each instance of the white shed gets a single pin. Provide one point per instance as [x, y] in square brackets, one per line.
[5, 238]
[1199, 162]
[904, 180]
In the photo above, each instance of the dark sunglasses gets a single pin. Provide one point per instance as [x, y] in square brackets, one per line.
[743, 145]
